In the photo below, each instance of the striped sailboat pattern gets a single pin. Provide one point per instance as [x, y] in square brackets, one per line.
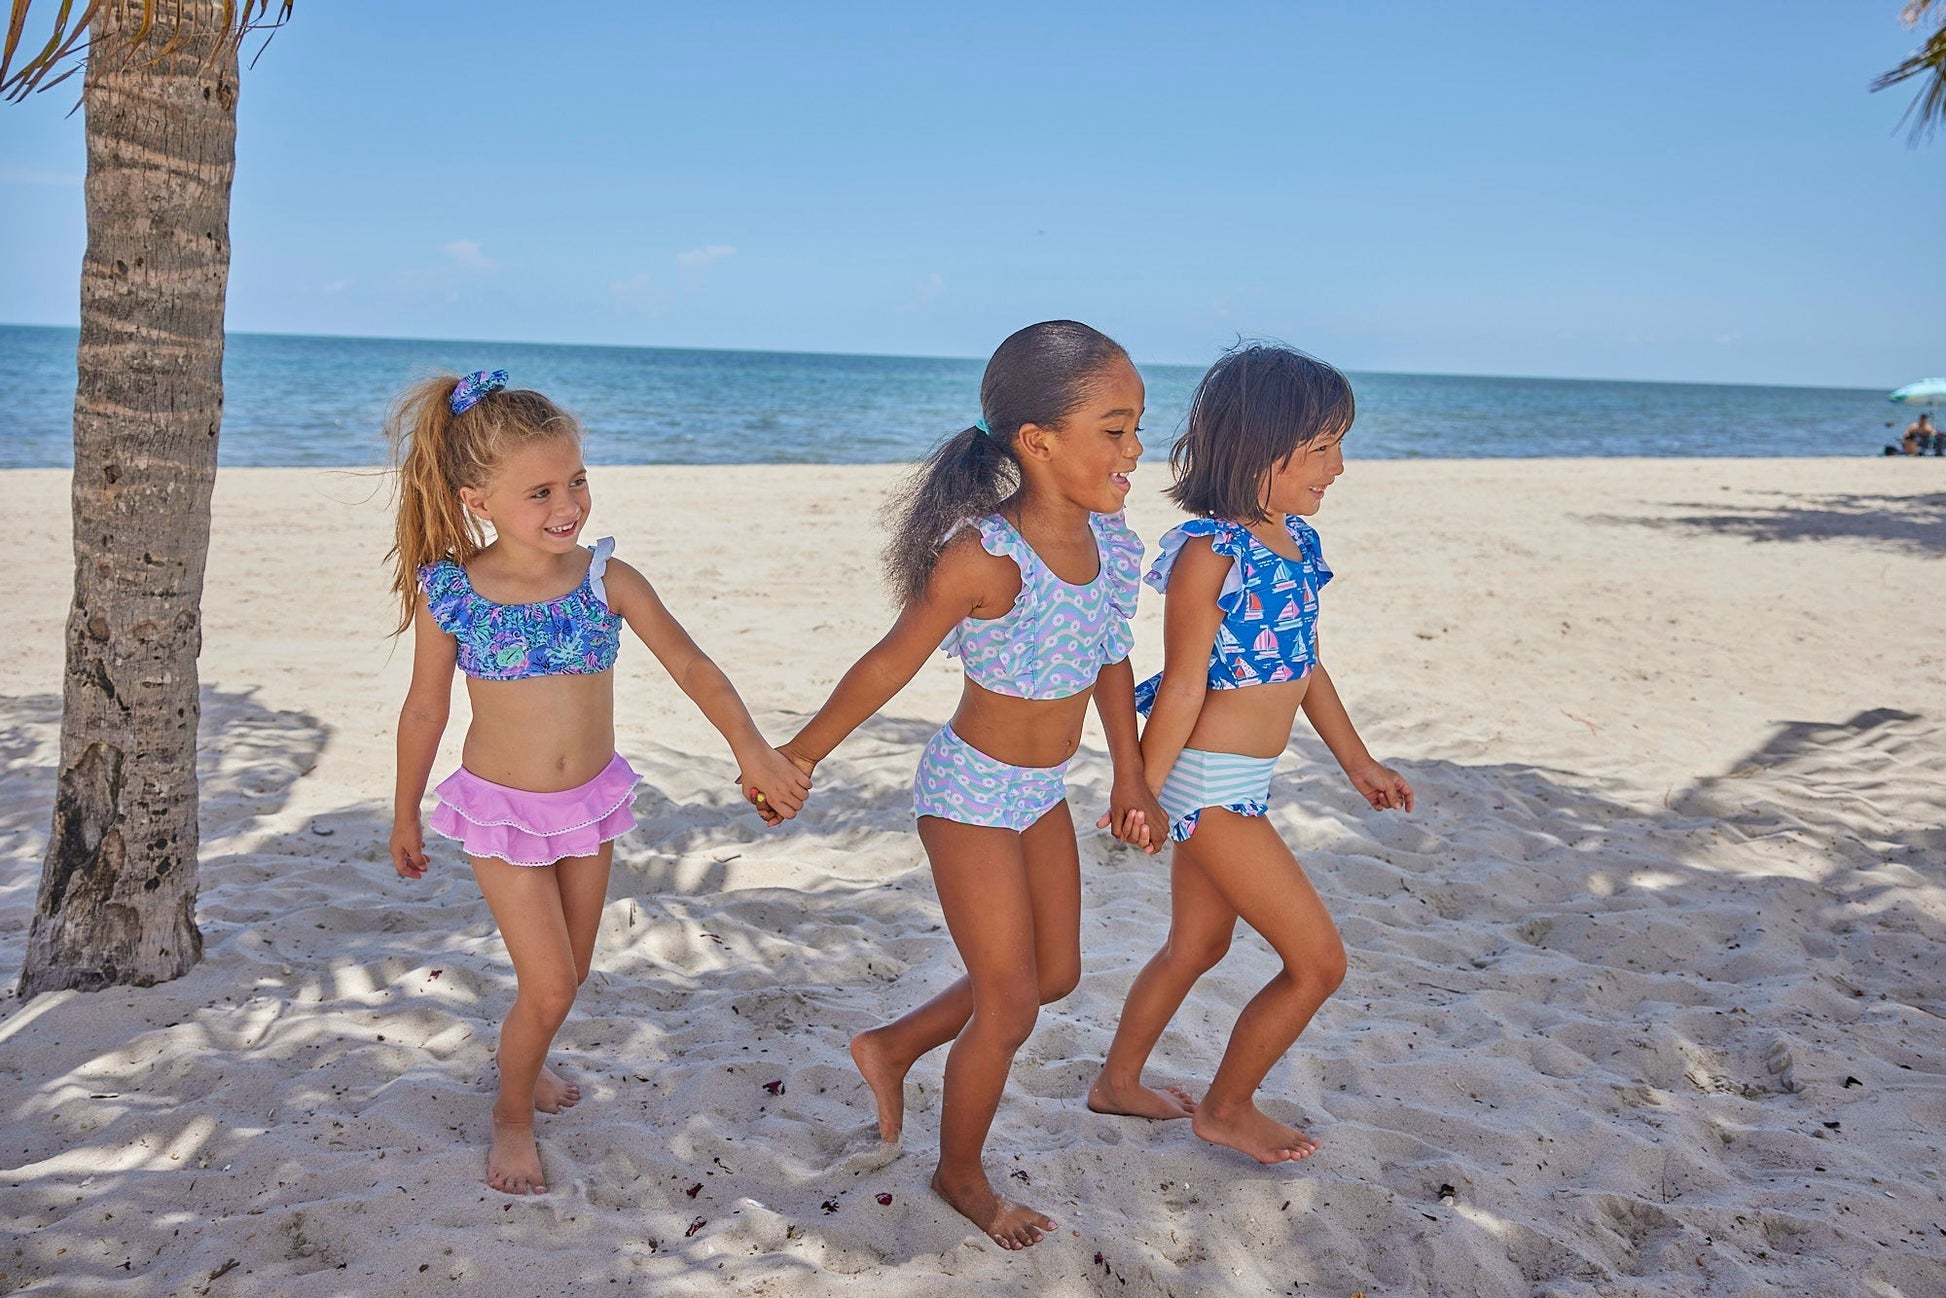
[1269, 631]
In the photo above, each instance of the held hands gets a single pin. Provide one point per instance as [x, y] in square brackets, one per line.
[776, 782]
[1135, 817]
[409, 849]
[1384, 788]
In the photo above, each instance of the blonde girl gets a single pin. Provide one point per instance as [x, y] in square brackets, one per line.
[533, 620]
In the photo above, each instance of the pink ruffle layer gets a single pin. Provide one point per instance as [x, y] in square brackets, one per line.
[525, 828]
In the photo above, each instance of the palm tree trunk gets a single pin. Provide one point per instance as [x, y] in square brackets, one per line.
[118, 887]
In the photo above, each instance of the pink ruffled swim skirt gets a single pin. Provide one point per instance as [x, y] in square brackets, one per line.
[523, 828]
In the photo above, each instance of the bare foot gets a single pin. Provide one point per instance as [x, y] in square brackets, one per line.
[1253, 1132]
[514, 1162]
[1139, 1101]
[553, 1092]
[1013, 1226]
[886, 1077]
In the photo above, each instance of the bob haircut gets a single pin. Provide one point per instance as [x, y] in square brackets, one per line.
[1258, 406]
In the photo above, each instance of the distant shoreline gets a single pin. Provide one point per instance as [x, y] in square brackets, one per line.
[488, 343]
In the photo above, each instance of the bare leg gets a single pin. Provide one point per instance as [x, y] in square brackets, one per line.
[1245, 860]
[583, 881]
[885, 1054]
[982, 878]
[526, 904]
[1200, 925]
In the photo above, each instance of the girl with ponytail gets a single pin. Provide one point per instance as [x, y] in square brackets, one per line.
[1009, 550]
[493, 582]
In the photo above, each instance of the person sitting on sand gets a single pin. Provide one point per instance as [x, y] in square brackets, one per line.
[1919, 437]
[533, 620]
[1009, 548]
[1240, 657]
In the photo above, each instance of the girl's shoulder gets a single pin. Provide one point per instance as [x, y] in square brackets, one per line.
[983, 560]
[1227, 539]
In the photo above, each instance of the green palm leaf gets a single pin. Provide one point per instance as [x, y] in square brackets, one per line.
[1928, 107]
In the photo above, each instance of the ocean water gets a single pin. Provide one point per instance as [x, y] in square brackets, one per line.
[320, 401]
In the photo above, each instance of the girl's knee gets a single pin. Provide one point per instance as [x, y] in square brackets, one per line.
[550, 1002]
[1322, 968]
[1198, 957]
[1057, 983]
[1009, 1023]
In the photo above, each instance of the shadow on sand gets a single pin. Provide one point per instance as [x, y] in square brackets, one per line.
[1566, 1007]
[1910, 524]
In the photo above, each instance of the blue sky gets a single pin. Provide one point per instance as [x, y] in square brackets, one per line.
[1657, 190]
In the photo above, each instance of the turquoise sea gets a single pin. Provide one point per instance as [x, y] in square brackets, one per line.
[319, 401]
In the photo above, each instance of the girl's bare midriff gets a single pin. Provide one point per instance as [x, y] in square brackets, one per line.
[1254, 721]
[522, 735]
[1021, 732]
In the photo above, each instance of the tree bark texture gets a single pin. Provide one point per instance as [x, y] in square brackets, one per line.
[118, 886]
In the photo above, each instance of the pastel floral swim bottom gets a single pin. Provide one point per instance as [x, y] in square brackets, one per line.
[958, 782]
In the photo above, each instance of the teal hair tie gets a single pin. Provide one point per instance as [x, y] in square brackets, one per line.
[981, 424]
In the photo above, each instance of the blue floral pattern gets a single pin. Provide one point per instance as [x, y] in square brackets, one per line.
[575, 635]
[1269, 631]
[1057, 637]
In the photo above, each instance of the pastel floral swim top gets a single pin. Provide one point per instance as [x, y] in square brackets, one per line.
[575, 635]
[1057, 637]
[1269, 631]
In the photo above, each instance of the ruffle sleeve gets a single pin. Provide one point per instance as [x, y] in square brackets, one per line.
[1121, 571]
[1001, 541]
[1225, 538]
[1310, 546]
[604, 549]
[448, 596]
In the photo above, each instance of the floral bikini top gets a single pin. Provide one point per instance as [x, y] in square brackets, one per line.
[1269, 631]
[1057, 637]
[575, 635]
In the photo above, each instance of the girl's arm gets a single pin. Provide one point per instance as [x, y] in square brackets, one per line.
[696, 675]
[422, 721]
[966, 582]
[1133, 814]
[1384, 788]
[1190, 618]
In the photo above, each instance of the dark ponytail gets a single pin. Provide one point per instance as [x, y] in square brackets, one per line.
[1039, 375]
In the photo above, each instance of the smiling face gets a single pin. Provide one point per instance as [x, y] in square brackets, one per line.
[1088, 459]
[538, 497]
[1297, 484]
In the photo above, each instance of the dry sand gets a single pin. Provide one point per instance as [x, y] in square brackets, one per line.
[1651, 983]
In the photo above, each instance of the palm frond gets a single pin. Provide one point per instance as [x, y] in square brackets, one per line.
[1928, 107]
[67, 40]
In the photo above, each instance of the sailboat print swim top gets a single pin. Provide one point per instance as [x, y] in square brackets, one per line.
[1269, 631]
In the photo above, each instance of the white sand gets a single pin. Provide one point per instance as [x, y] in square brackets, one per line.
[1678, 730]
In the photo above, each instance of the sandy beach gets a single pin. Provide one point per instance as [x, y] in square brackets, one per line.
[1645, 999]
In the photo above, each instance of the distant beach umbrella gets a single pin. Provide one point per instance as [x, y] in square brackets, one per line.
[1926, 392]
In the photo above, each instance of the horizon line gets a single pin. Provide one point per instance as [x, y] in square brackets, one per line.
[975, 360]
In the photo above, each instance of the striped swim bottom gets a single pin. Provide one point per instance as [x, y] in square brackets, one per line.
[1201, 779]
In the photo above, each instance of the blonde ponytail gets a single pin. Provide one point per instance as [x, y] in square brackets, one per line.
[436, 452]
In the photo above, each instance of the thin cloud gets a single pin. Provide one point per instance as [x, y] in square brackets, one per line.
[706, 256]
[640, 291]
[467, 253]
